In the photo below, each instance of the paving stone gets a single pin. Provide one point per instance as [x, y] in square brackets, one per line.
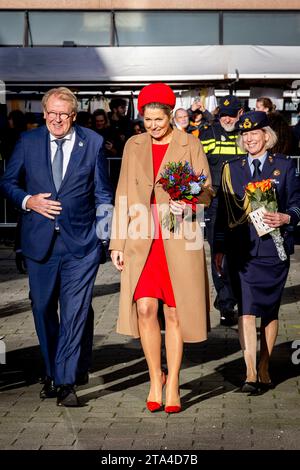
[215, 414]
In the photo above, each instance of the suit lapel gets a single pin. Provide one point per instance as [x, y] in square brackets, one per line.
[76, 155]
[45, 144]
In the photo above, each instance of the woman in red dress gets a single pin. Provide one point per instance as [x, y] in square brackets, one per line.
[153, 282]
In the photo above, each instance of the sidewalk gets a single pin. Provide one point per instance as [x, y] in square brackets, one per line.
[215, 416]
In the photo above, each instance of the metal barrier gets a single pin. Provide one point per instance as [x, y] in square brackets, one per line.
[7, 212]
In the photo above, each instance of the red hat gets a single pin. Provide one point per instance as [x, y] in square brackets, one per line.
[156, 93]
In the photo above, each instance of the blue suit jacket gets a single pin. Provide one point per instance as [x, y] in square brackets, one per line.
[84, 188]
[243, 240]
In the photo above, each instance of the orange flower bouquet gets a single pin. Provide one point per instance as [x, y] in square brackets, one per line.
[262, 197]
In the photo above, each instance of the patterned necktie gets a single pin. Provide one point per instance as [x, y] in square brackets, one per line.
[257, 172]
[57, 164]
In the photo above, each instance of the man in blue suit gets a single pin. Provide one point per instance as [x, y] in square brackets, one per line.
[67, 205]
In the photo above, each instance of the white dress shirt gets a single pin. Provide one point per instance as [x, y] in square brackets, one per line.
[67, 149]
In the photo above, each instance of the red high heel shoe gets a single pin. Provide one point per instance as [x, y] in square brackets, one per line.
[154, 406]
[173, 409]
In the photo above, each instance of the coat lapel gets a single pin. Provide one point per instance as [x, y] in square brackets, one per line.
[175, 152]
[245, 169]
[143, 153]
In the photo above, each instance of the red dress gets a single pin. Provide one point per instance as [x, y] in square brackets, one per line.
[155, 279]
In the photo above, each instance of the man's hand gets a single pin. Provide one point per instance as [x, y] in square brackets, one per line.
[44, 206]
[197, 104]
[117, 258]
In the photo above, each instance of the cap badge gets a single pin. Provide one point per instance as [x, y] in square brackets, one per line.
[226, 103]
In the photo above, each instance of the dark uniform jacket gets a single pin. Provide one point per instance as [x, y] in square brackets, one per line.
[243, 241]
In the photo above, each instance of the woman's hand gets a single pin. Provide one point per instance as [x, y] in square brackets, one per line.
[177, 207]
[218, 260]
[206, 195]
[276, 219]
[117, 258]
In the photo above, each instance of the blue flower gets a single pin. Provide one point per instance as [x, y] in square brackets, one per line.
[195, 188]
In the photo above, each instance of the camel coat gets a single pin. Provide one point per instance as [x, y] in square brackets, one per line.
[187, 267]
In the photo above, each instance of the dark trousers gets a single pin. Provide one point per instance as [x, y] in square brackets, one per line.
[225, 299]
[65, 338]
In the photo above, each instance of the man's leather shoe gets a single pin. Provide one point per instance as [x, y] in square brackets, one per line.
[49, 390]
[67, 396]
[82, 379]
[228, 318]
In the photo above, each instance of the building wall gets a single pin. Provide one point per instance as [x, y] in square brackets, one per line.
[152, 4]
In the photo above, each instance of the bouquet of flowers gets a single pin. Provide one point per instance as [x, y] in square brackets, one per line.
[261, 195]
[181, 182]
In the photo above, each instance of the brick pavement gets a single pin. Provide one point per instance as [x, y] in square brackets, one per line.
[216, 415]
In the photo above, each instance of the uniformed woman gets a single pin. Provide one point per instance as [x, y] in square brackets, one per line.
[258, 268]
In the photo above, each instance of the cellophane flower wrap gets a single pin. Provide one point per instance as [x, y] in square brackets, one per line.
[181, 182]
[262, 194]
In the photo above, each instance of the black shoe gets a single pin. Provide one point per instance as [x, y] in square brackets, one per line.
[21, 263]
[49, 390]
[82, 379]
[67, 396]
[265, 386]
[250, 387]
[228, 318]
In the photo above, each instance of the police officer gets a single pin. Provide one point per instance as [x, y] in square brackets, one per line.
[258, 264]
[219, 143]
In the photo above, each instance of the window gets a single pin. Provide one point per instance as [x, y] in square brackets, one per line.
[11, 28]
[79, 28]
[166, 28]
[272, 28]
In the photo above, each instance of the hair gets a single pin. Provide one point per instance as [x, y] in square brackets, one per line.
[116, 102]
[180, 109]
[100, 112]
[18, 119]
[138, 122]
[267, 103]
[84, 118]
[280, 125]
[269, 144]
[62, 93]
[168, 110]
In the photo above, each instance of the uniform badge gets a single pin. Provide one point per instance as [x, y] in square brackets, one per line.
[276, 172]
[80, 144]
[223, 138]
[244, 162]
[271, 160]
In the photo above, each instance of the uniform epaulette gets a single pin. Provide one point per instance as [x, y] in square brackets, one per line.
[236, 159]
[281, 156]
